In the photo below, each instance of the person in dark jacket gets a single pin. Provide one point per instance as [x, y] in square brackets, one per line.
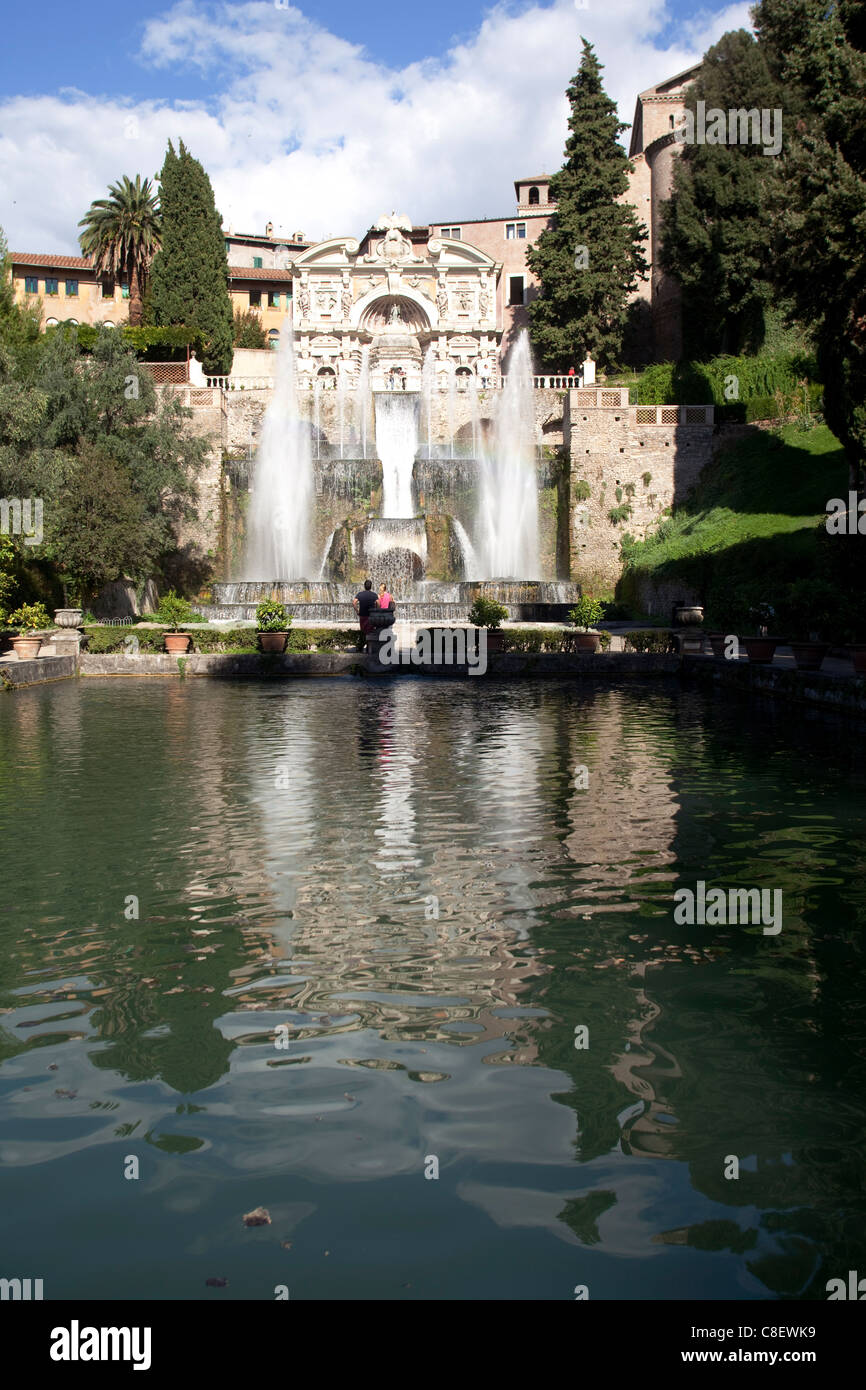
[363, 603]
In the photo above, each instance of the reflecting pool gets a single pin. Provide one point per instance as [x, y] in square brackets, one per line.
[397, 961]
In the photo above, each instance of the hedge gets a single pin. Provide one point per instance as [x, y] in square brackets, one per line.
[105, 640]
[703, 383]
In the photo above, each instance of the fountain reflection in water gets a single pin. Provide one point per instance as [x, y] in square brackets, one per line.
[509, 485]
[278, 544]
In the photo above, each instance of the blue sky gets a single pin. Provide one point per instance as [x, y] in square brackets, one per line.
[67, 47]
[317, 117]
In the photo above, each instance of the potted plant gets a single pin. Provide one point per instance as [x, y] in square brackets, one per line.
[487, 613]
[761, 648]
[812, 606]
[584, 615]
[272, 625]
[32, 619]
[172, 611]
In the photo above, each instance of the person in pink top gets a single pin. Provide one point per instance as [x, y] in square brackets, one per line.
[385, 599]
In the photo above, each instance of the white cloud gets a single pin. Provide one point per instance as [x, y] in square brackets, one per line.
[304, 129]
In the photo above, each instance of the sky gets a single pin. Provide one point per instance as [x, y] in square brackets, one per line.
[315, 117]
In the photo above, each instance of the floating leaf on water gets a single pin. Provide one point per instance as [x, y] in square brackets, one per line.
[285, 1245]
[260, 1216]
[216, 1283]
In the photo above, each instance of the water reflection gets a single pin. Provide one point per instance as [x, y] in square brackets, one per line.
[407, 884]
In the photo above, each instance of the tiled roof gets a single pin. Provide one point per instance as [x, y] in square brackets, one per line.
[61, 262]
[257, 272]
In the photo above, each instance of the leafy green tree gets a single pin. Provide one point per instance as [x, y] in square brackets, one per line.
[190, 283]
[72, 422]
[248, 330]
[122, 234]
[815, 48]
[590, 260]
[96, 525]
[716, 236]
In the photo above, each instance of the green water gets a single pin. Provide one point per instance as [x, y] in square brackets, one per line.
[405, 884]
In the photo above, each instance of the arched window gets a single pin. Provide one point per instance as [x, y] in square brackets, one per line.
[274, 338]
[108, 324]
[51, 323]
[327, 378]
[534, 196]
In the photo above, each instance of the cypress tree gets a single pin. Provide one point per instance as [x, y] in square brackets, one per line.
[189, 281]
[590, 259]
[716, 236]
[816, 49]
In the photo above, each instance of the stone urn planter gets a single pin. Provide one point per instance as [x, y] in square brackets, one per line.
[760, 650]
[26, 647]
[273, 641]
[858, 656]
[809, 655]
[588, 641]
[177, 643]
[68, 617]
[688, 615]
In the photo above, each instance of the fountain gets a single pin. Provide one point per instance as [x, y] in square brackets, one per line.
[442, 518]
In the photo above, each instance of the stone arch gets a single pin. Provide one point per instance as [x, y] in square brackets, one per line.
[372, 312]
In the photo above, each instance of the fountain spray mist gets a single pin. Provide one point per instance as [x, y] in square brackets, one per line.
[508, 514]
[397, 442]
[278, 539]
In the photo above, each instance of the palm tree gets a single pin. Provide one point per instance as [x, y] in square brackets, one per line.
[122, 234]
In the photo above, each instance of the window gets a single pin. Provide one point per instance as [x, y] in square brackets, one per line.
[108, 290]
[52, 286]
[71, 289]
[454, 232]
[31, 284]
[515, 289]
[255, 299]
[124, 291]
[273, 299]
[51, 323]
[515, 231]
[534, 197]
[73, 322]
[257, 262]
[108, 324]
[273, 339]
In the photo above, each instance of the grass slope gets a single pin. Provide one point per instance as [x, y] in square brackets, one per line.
[752, 528]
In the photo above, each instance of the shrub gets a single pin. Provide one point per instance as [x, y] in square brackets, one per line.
[586, 612]
[619, 514]
[271, 616]
[581, 490]
[31, 617]
[647, 640]
[486, 612]
[173, 610]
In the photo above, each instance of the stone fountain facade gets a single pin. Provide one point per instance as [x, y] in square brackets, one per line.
[397, 292]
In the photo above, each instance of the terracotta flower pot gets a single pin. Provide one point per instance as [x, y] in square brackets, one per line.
[809, 655]
[588, 641]
[760, 650]
[68, 617]
[176, 643]
[857, 651]
[495, 639]
[717, 642]
[273, 641]
[26, 646]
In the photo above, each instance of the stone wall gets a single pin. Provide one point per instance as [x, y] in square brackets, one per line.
[623, 456]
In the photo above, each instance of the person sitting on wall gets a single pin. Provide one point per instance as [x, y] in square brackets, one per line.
[363, 603]
[384, 614]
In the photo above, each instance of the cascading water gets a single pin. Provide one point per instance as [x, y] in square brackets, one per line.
[362, 399]
[278, 540]
[428, 385]
[508, 519]
[397, 444]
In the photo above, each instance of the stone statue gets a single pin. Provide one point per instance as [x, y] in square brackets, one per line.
[442, 301]
[304, 302]
[347, 302]
[484, 302]
[395, 316]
